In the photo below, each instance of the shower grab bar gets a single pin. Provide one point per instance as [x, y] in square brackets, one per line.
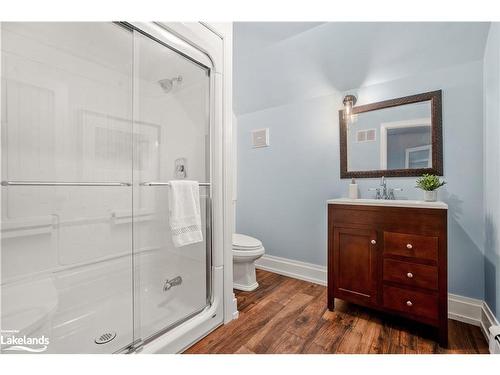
[168, 184]
[55, 183]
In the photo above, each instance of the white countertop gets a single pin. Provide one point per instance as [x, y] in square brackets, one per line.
[389, 203]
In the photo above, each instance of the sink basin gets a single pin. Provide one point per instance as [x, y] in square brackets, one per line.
[389, 203]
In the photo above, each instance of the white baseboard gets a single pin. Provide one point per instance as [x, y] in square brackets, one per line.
[293, 268]
[468, 310]
[465, 309]
[472, 311]
[488, 320]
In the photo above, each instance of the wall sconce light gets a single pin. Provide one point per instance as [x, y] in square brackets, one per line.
[349, 102]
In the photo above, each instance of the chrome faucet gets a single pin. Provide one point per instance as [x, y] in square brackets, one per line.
[383, 192]
[173, 282]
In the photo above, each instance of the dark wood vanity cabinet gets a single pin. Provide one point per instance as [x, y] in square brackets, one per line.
[355, 264]
[392, 259]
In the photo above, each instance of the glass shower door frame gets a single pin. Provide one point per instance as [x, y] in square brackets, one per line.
[168, 40]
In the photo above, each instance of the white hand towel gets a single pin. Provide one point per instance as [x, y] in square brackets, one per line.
[185, 216]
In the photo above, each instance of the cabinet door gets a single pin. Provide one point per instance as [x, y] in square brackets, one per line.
[355, 265]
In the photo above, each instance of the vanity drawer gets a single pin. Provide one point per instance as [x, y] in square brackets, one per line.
[411, 245]
[411, 274]
[409, 301]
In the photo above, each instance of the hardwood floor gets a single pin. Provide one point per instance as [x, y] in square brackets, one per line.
[286, 315]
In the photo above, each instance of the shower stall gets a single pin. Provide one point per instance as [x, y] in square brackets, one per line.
[96, 119]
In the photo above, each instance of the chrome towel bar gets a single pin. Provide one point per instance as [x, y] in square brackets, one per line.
[168, 184]
[55, 183]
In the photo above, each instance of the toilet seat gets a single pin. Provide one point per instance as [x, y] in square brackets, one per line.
[242, 255]
[242, 242]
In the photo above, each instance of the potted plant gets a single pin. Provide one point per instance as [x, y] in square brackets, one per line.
[429, 184]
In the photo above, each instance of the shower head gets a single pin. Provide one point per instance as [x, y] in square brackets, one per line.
[168, 83]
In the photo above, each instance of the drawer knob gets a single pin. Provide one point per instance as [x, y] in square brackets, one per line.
[409, 303]
[373, 242]
[409, 275]
[409, 246]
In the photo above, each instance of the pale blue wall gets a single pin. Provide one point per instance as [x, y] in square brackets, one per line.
[492, 168]
[282, 189]
[274, 65]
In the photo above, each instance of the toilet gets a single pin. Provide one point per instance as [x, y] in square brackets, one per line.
[246, 250]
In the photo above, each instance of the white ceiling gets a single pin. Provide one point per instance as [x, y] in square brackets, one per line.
[279, 62]
[256, 35]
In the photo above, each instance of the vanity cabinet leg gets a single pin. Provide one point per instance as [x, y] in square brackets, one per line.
[331, 303]
[443, 334]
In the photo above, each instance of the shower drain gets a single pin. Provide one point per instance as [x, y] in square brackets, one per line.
[105, 338]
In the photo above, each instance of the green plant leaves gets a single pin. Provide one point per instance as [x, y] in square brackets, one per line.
[429, 182]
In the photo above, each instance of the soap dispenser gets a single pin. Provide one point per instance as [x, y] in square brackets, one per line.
[353, 189]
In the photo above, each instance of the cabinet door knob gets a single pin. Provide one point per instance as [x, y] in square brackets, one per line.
[409, 246]
[409, 275]
[373, 242]
[409, 303]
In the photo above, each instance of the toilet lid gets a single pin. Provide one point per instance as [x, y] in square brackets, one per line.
[242, 242]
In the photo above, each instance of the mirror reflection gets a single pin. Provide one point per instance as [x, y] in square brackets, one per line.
[390, 138]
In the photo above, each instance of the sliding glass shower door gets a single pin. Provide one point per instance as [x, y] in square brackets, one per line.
[96, 118]
[66, 253]
[171, 127]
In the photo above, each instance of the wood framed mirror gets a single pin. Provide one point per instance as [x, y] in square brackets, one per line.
[400, 137]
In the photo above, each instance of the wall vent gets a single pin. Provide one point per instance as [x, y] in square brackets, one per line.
[368, 135]
[260, 138]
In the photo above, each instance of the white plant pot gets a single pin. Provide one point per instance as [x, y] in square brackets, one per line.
[430, 196]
